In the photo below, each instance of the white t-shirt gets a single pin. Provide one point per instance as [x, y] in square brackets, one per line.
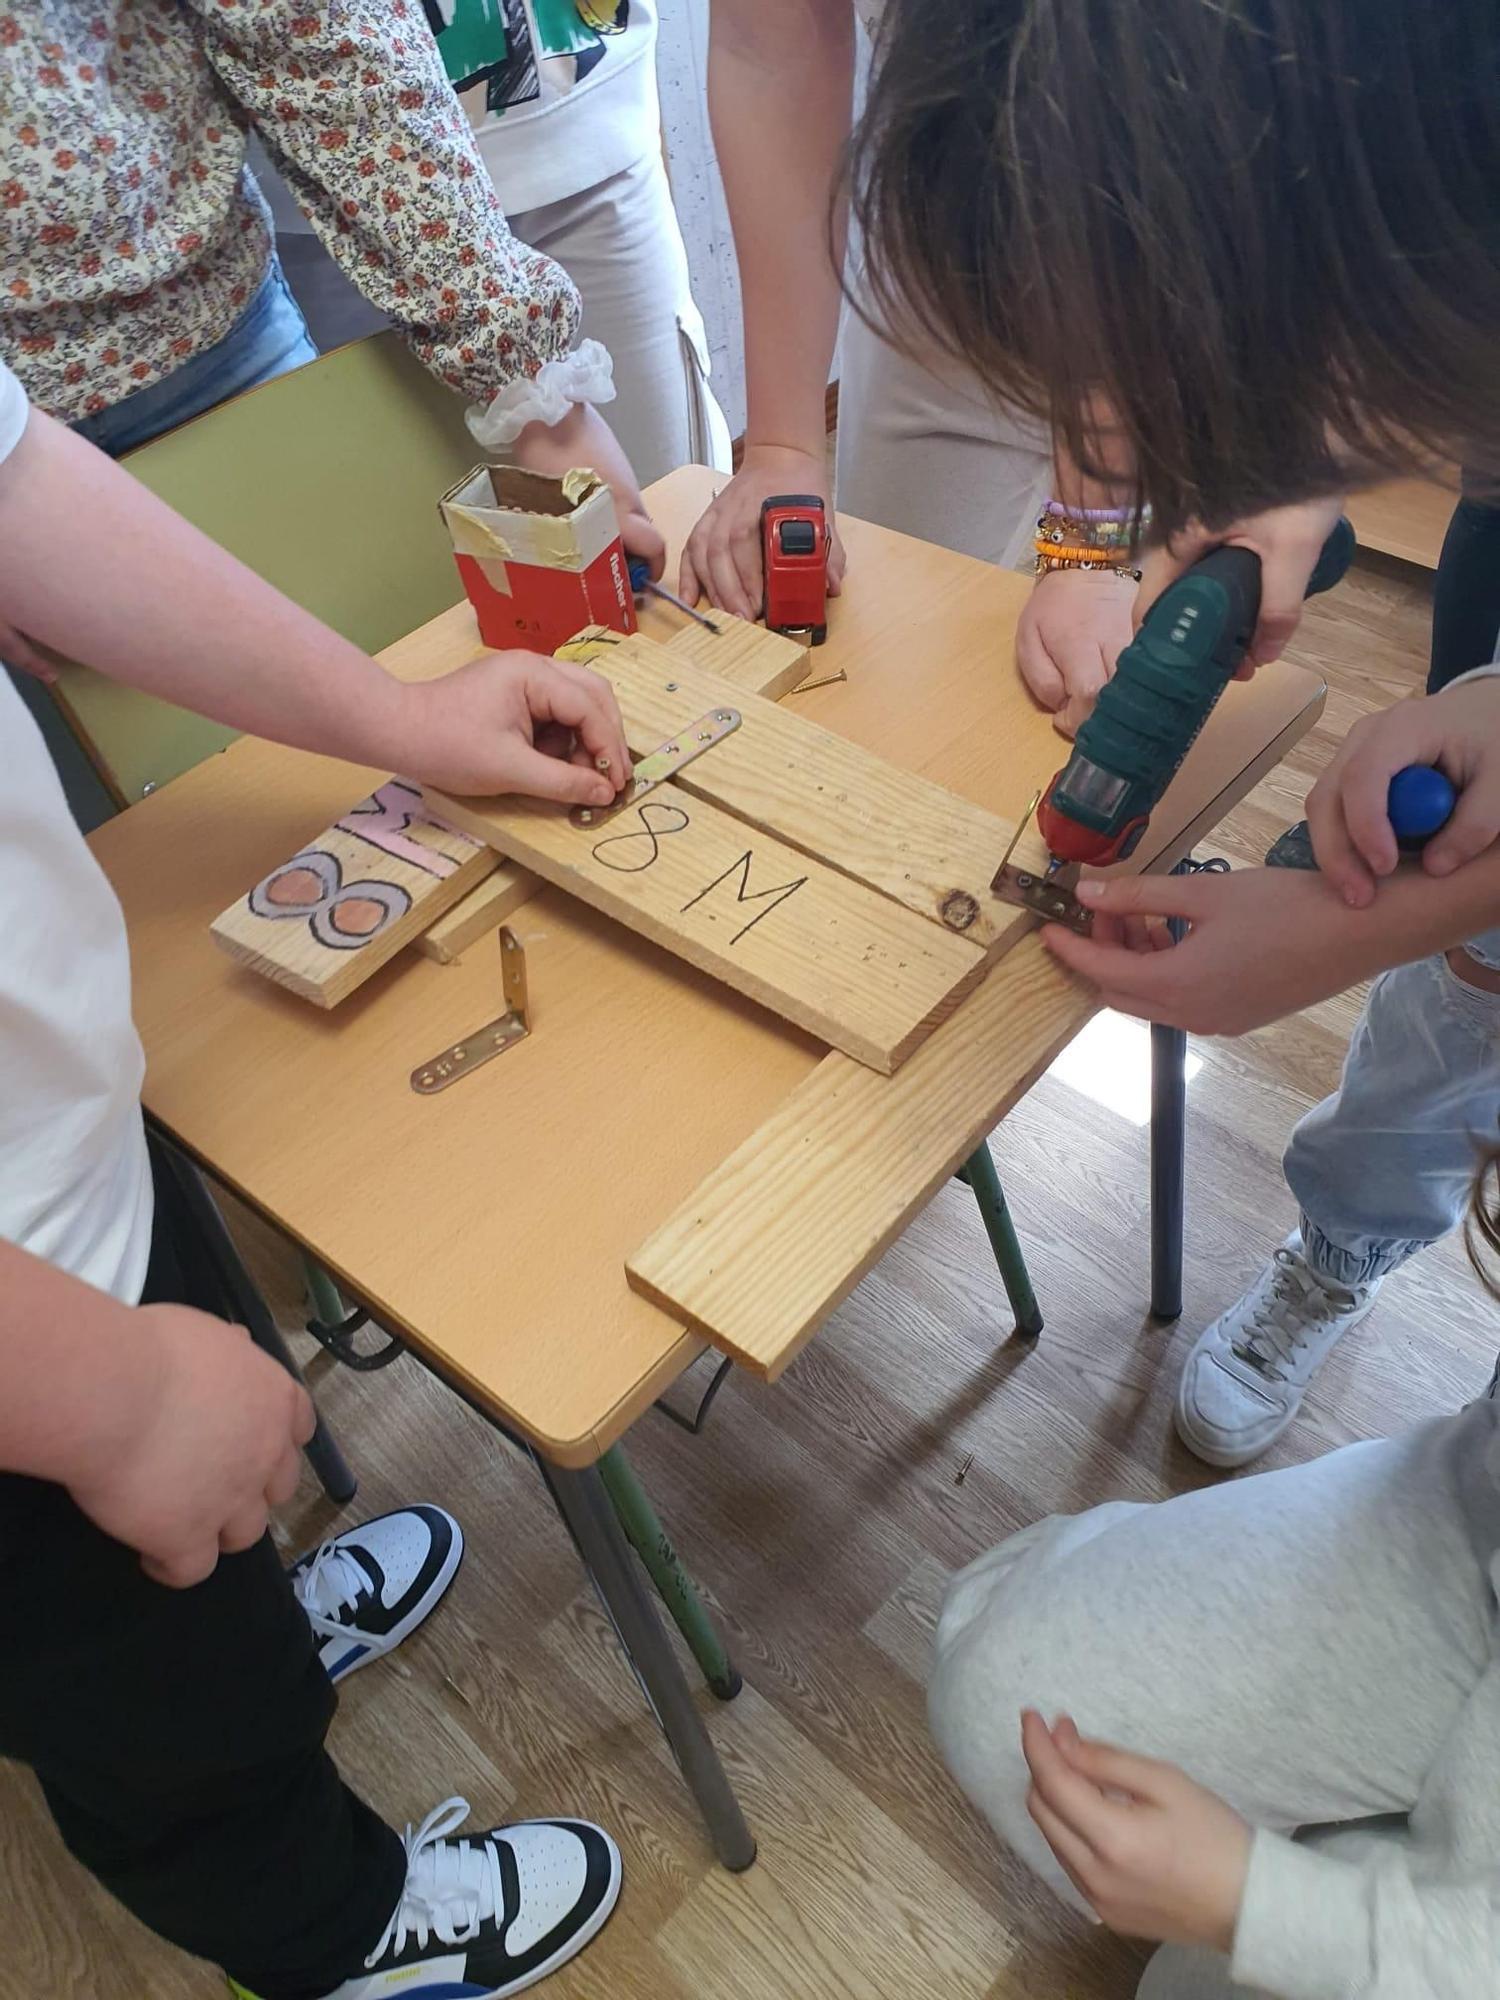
[561, 141]
[75, 1185]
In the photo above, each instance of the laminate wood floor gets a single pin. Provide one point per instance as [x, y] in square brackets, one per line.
[823, 1516]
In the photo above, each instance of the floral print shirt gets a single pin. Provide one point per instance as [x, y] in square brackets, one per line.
[132, 234]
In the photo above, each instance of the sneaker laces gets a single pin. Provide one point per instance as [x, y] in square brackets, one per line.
[330, 1582]
[1278, 1325]
[452, 1887]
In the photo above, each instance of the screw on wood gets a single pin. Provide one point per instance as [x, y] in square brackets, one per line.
[828, 681]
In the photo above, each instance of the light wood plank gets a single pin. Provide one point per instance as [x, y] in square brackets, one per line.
[785, 1227]
[757, 661]
[784, 929]
[918, 843]
[325, 920]
[483, 910]
[766, 663]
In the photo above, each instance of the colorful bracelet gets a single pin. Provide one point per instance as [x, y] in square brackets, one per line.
[1053, 533]
[1088, 559]
[1140, 517]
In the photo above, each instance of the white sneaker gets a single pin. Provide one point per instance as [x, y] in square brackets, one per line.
[484, 1918]
[1247, 1374]
[371, 1587]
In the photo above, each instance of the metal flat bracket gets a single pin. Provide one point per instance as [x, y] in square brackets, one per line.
[1051, 899]
[664, 762]
[490, 1041]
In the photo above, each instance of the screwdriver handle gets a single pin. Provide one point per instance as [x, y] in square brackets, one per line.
[1420, 802]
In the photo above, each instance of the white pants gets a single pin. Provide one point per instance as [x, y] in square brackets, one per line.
[621, 245]
[1318, 1646]
[925, 450]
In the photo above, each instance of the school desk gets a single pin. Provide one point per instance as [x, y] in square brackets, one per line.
[489, 1225]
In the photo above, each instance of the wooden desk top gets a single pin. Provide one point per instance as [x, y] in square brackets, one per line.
[490, 1225]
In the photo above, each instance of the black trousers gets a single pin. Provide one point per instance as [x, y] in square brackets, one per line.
[178, 1734]
[1466, 594]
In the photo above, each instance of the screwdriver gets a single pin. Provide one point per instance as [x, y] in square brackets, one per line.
[641, 580]
[1419, 804]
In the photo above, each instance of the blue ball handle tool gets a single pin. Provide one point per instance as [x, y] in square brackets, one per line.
[641, 581]
[1420, 802]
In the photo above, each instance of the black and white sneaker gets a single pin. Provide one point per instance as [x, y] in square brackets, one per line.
[366, 1590]
[479, 1919]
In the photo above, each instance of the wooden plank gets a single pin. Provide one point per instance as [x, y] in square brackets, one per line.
[834, 957]
[785, 1227]
[761, 662]
[483, 910]
[323, 921]
[757, 661]
[913, 840]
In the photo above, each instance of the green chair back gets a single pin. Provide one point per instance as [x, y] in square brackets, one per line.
[325, 482]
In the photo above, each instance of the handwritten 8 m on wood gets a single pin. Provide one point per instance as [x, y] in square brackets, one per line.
[636, 850]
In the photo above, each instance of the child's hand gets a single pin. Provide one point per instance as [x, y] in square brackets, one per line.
[584, 438]
[1069, 637]
[191, 1464]
[516, 722]
[1263, 942]
[1156, 1855]
[722, 560]
[1288, 541]
[1459, 730]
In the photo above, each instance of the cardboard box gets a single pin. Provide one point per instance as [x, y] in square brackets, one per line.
[540, 555]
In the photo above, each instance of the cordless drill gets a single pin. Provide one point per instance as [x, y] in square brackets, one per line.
[1147, 718]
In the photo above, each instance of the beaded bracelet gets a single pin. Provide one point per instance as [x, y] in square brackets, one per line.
[1138, 516]
[1090, 513]
[1061, 528]
[1092, 559]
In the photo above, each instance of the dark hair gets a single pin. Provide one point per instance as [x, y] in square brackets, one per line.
[1265, 232]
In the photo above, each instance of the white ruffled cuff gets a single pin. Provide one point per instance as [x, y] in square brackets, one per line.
[587, 375]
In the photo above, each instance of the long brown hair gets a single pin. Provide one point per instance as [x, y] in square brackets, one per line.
[1265, 232]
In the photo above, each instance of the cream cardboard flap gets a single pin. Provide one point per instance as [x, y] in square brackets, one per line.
[499, 514]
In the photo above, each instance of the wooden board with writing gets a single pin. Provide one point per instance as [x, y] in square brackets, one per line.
[333, 914]
[914, 841]
[830, 954]
[330, 917]
[757, 661]
[846, 894]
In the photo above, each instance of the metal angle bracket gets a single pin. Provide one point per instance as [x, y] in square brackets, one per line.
[1045, 896]
[513, 1026]
[664, 762]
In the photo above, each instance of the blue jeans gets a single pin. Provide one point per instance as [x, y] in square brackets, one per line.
[269, 337]
[1384, 1166]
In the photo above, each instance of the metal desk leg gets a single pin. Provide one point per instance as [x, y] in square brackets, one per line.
[1169, 1139]
[979, 1172]
[1168, 1167]
[585, 1507]
[675, 1588]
